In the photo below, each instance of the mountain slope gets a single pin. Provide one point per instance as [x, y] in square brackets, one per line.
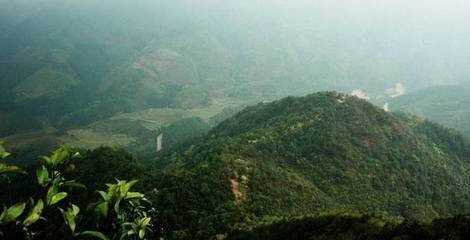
[447, 105]
[322, 152]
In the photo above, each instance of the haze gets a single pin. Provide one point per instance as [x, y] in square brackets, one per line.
[128, 56]
[345, 45]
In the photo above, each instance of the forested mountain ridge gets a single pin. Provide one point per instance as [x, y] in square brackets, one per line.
[322, 152]
[325, 156]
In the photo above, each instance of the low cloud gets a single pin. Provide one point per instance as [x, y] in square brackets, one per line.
[396, 91]
[385, 107]
[360, 94]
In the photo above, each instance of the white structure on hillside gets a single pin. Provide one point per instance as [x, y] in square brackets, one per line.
[158, 142]
[386, 107]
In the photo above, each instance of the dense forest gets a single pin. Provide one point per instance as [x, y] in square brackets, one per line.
[313, 163]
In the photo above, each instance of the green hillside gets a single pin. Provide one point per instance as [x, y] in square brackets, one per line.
[447, 105]
[322, 152]
[323, 166]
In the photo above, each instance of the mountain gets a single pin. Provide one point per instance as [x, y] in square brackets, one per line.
[326, 165]
[305, 155]
[447, 105]
[67, 64]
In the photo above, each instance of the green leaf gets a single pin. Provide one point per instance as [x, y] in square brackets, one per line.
[5, 169]
[3, 213]
[116, 206]
[42, 176]
[102, 209]
[12, 213]
[128, 234]
[113, 191]
[60, 155]
[73, 184]
[76, 155]
[94, 234]
[50, 193]
[3, 153]
[57, 198]
[146, 221]
[126, 187]
[71, 222]
[127, 224]
[141, 233]
[104, 195]
[47, 160]
[131, 195]
[75, 209]
[70, 215]
[35, 214]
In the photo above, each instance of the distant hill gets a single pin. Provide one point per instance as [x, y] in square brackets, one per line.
[322, 152]
[67, 64]
[447, 105]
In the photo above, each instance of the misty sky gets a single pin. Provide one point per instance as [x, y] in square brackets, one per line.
[354, 44]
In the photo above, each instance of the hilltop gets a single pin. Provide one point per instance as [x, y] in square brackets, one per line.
[323, 152]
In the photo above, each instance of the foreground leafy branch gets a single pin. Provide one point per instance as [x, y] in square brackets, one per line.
[128, 219]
